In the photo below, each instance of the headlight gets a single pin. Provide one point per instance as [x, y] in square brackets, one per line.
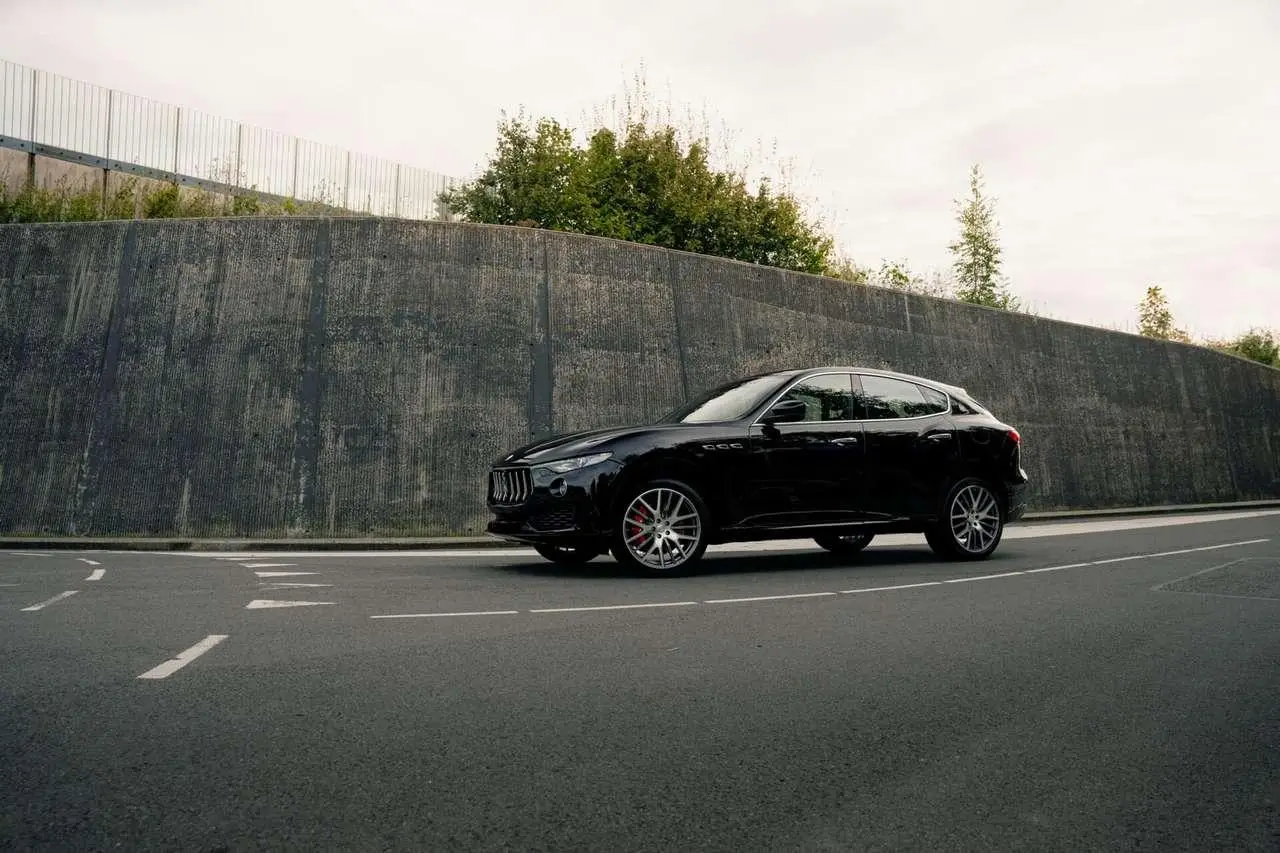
[564, 466]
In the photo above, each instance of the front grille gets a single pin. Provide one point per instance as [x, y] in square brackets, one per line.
[510, 486]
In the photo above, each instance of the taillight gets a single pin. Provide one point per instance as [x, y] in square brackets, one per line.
[1013, 434]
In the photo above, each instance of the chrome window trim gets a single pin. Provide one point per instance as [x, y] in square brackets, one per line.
[851, 373]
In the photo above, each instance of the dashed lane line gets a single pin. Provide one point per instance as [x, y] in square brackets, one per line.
[90, 562]
[42, 605]
[614, 607]
[96, 575]
[824, 594]
[169, 667]
[441, 615]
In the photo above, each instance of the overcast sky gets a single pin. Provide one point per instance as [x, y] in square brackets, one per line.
[1127, 143]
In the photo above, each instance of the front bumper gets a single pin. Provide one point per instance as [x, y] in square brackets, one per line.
[549, 508]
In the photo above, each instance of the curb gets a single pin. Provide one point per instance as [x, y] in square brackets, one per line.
[431, 543]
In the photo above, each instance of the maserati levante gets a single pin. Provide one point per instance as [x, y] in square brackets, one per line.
[836, 454]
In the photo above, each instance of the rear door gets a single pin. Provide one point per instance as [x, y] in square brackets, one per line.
[911, 446]
[810, 471]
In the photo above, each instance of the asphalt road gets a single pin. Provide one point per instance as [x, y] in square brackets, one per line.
[1127, 697]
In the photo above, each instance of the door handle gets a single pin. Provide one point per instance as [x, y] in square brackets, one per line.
[849, 440]
[938, 437]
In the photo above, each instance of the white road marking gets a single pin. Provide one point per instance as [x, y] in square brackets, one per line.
[767, 598]
[894, 587]
[1021, 530]
[90, 562]
[287, 585]
[169, 667]
[984, 577]
[96, 575]
[29, 554]
[266, 603]
[1227, 565]
[613, 607]
[433, 615]
[283, 574]
[890, 588]
[42, 605]
[268, 565]
[8, 584]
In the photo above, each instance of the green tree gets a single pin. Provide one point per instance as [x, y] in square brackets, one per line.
[1260, 345]
[1155, 320]
[977, 253]
[643, 186]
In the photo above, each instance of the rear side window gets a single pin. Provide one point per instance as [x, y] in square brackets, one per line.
[885, 398]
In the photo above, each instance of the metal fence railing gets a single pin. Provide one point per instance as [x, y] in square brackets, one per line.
[51, 115]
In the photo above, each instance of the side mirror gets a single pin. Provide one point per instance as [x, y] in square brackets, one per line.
[785, 412]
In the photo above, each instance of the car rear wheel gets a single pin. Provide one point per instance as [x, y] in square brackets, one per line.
[850, 544]
[971, 523]
[660, 528]
[565, 555]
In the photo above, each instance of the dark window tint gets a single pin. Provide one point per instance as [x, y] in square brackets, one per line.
[826, 398]
[887, 398]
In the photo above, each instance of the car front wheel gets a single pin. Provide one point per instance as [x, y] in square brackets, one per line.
[971, 523]
[661, 528]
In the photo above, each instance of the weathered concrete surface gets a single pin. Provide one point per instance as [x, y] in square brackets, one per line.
[353, 377]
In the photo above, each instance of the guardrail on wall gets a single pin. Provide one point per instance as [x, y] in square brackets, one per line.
[54, 116]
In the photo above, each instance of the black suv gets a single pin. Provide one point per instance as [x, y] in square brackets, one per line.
[838, 454]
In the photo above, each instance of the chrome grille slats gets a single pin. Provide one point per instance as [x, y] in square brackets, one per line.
[510, 486]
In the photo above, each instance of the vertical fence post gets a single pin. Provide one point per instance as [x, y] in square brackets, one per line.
[177, 139]
[106, 155]
[346, 185]
[395, 208]
[31, 155]
[239, 146]
[297, 148]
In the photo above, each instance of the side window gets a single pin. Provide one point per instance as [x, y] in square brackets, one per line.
[826, 398]
[886, 398]
[935, 401]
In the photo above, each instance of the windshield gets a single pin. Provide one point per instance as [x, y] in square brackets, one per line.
[726, 403]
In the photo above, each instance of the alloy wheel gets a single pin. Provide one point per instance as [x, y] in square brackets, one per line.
[662, 529]
[975, 518]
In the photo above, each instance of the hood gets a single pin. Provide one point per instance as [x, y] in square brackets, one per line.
[575, 443]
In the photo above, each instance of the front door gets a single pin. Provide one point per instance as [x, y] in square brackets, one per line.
[911, 445]
[808, 471]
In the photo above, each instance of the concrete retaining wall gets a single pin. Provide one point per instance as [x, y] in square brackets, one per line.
[313, 377]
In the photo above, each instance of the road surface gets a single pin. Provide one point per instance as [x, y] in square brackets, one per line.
[1104, 685]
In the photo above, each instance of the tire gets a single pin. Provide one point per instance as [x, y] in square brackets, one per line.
[676, 544]
[970, 524]
[844, 545]
[563, 555]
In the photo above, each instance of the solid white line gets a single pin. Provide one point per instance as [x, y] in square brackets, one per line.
[287, 585]
[283, 574]
[268, 565]
[614, 607]
[42, 605]
[889, 588]
[169, 667]
[96, 575]
[1057, 568]
[90, 562]
[767, 598]
[29, 554]
[433, 615]
[984, 577]
[1160, 587]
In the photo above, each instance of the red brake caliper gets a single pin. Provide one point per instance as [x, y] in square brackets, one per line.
[637, 522]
